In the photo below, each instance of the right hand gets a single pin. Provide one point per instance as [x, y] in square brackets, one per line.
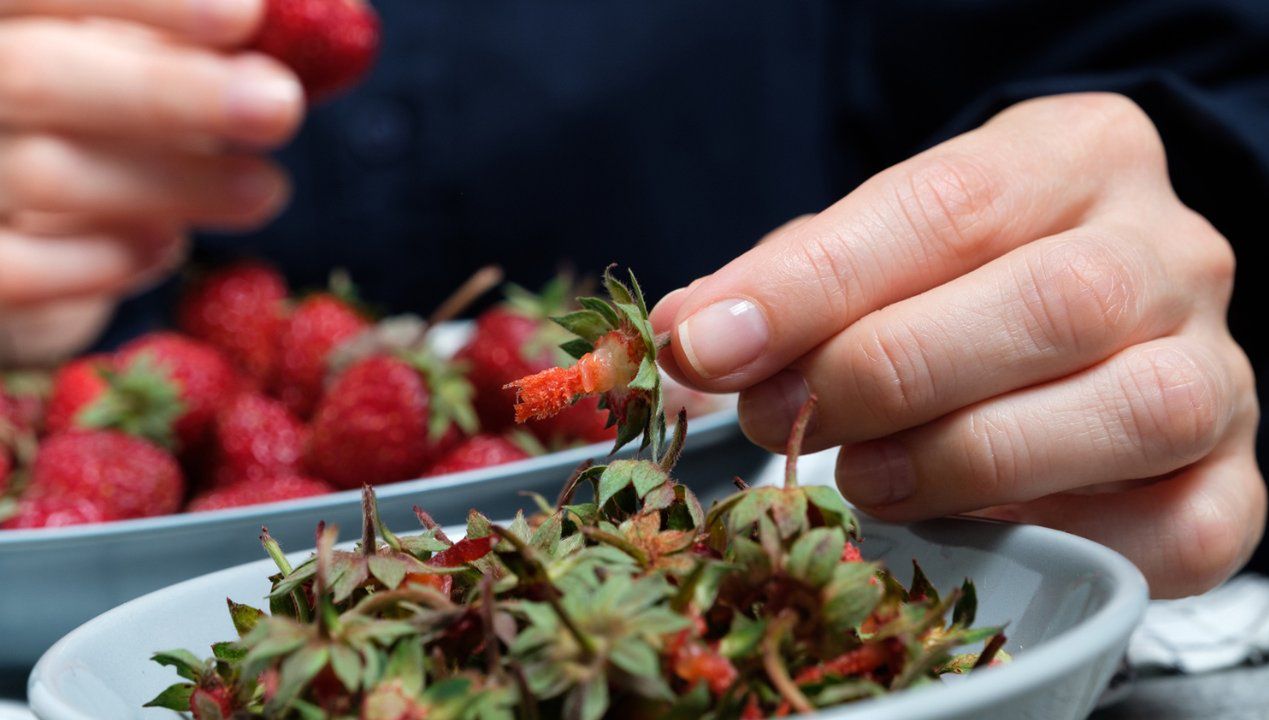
[124, 124]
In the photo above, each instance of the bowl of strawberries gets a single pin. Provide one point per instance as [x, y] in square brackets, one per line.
[161, 460]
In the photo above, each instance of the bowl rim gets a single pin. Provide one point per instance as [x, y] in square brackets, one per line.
[1091, 637]
[18, 540]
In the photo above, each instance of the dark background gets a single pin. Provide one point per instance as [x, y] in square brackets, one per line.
[670, 135]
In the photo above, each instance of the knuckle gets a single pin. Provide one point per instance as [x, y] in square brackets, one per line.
[1109, 125]
[1079, 294]
[891, 373]
[18, 85]
[948, 200]
[1117, 123]
[35, 172]
[1178, 402]
[1210, 538]
[1215, 262]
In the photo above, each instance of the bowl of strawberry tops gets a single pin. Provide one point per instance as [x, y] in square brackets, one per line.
[624, 597]
[160, 462]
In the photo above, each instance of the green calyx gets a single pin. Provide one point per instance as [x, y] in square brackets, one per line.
[451, 394]
[141, 400]
[555, 298]
[637, 409]
[792, 510]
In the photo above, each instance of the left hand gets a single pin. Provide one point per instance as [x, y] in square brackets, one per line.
[1023, 321]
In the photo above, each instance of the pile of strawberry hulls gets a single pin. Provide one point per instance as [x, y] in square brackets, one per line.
[632, 602]
[264, 397]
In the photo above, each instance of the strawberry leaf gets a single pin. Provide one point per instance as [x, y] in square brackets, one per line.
[245, 617]
[186, 664]
[175, 697]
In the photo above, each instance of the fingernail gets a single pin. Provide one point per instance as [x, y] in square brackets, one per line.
[875, 473]
[222, 20]
[255, 186]
[261, 95]
[723, 337]
[768, 409]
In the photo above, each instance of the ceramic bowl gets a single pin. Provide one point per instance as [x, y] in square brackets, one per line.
[1070, 606]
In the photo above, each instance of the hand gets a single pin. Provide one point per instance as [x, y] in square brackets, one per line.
[122, 124]
[1023, 321]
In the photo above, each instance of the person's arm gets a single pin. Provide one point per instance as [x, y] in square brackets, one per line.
[121, 123]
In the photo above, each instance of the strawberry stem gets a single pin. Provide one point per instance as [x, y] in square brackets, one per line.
[796, 436]
[774, 664]
[481, 282]
[274, 550]
[988, 654]
[369, 518]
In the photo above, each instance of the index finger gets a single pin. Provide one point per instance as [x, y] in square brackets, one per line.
[1037, 169]
[214, 22]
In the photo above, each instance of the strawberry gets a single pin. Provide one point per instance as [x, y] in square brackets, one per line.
[259, 491]
[584, 421]
[10, 426]
[203, 377]
[99, 475]
[239, 310]
[516, 339]
[329, 44]
[478, 452]
[76, 385]
[211, 701]
[387, 418]
[318, 326]
[46, 513]
[257, 437]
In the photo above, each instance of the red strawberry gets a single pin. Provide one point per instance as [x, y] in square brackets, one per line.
[99, 475]
[45, 513]
[213, 702]
[9, 428]
[257, 438]
[507, 345]
[317, 326]
[478, 452]
[261, 490]
[582, 422]
[330, 44]
[387, 419]
[239, 310]
[205, 380]
[76, 385]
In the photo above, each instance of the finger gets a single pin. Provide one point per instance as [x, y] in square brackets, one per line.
[216, 22]
[42, 335]
[1043, 311]
[1036, 170]
[1147, 411]
[58, 76]
[55, 174]
[1187, 533]
[111, 262]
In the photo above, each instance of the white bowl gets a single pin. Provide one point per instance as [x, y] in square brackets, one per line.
[1070, 605]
